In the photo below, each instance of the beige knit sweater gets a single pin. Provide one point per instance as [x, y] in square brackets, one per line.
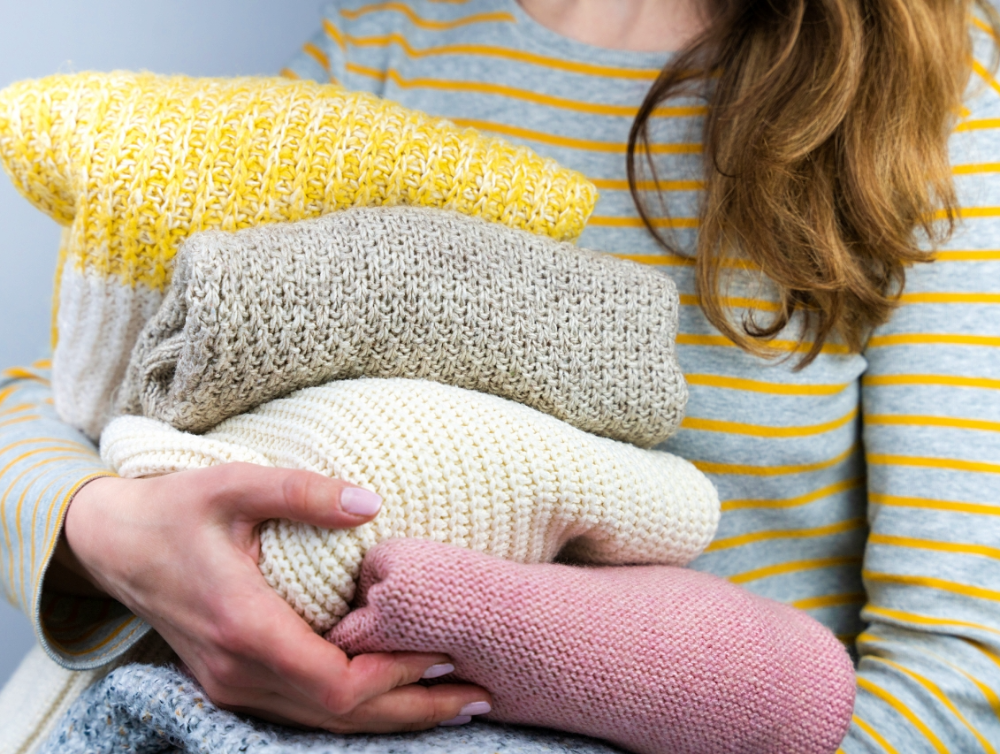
[454, 466]
[410, 292]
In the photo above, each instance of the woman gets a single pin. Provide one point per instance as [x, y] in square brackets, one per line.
[852, 434]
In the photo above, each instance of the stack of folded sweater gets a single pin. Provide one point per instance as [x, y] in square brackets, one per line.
[381, 297]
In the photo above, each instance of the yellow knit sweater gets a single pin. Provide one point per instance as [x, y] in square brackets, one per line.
[135, 163]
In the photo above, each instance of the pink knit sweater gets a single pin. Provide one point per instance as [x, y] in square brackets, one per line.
[658, 660]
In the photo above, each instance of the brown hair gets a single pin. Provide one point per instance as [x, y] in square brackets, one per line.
[825, 152]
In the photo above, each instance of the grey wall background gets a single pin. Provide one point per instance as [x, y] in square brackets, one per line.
[40, 37]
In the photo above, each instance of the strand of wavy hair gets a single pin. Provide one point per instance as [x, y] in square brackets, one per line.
[825, 153]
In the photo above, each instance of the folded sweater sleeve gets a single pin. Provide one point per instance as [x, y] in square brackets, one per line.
[43, 463]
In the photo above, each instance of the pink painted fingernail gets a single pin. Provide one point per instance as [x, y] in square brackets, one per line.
[460, 720]
[359, 501]
[475, 708]
[436, 671]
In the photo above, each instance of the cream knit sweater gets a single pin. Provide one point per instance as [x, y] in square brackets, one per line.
[410, 292]
[454, 466]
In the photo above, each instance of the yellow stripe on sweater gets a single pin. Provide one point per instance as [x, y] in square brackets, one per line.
[829, 600]
[132, 621]
[902, 709]
[968, 255]
[43, 464]
[19, 420]
[936, 545]
[798, 500]
[950, 464]
[949, 298]
[879, 738]
[657, 260]
[733, 302]
[949, 506]
[975, 168]
[939, 695]
[933, 339]
[776, 345]
[18, 373]
[980, 69]
[15, 409]
[981, 124]
[813, 532]
[887, 380]
[794, 566]
[991, 697]
[757, 386]
[931, 421]
[926, 620]
[424, 23]
[759, 430]
[504, 53]
[604, 221]
[568, 142]
[317, 54]
[534, 97]
[710, 467]
[930, 582]
[612, 184]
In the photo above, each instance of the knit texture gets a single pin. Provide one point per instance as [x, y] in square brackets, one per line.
[453, 466]
[700, 666]
[39, 694]
[418, 293]
[135, 163]
[143, 709]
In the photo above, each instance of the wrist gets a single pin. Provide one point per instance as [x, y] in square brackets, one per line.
[75, 566]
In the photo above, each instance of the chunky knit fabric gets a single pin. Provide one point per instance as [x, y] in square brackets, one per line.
[453, 466]
[146, 709]
[36, 699]
[411, 292]
[700, 666]
[134, 163]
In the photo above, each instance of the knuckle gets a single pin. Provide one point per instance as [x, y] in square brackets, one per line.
[338, 701]
[415, 727]
[229, 479]
[296, 488]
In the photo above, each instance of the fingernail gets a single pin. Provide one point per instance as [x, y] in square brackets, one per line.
[359, 501]
[476, 708]
[460, 720]
[436, 671]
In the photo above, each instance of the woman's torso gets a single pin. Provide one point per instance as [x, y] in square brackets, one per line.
[783, 446]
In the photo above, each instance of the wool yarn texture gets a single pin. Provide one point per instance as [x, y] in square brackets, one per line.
[700, 666]
[132, 164]
[452, 465]
[418, 293]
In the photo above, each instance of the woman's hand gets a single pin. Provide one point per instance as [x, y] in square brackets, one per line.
[181, 552]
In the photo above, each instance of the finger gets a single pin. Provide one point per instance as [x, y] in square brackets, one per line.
[320, 671]
[258, 493]
[411, 708]
[304, 664]
[408, 708]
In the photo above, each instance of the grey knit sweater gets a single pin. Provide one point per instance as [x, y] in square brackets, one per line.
[416, 293]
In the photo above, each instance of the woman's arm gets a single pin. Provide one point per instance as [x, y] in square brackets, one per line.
[179, 553]
[929, 673]
[43, 464]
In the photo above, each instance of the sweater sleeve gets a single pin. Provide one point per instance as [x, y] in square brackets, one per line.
[43, 463]
[929, 672]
